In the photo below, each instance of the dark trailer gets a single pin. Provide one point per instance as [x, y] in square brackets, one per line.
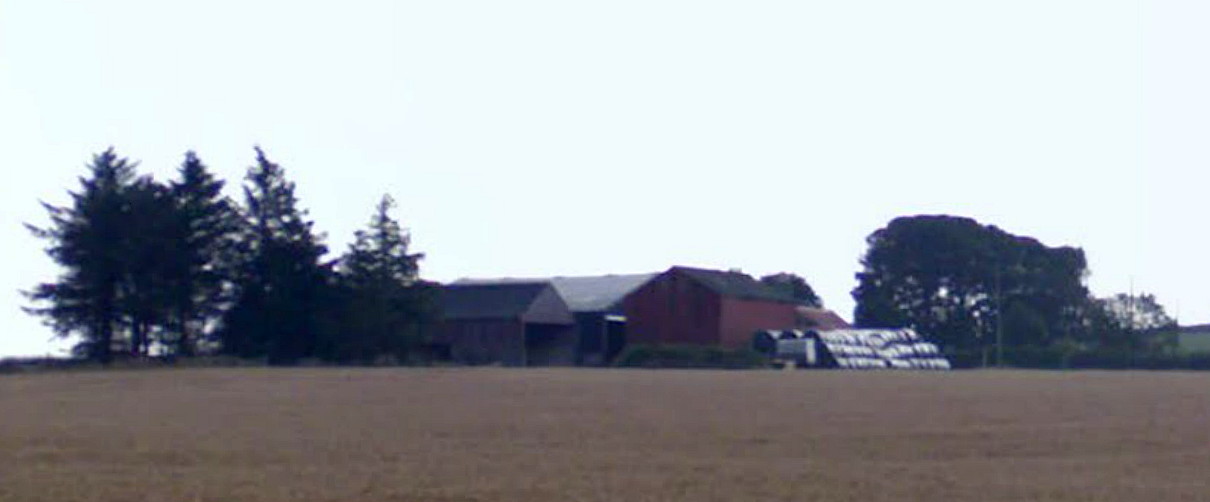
[514, 324]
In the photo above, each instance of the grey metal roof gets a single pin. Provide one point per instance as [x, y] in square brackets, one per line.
[598, 293]
[489, 301]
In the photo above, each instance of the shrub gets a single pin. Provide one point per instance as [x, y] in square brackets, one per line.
[690, 356]
[1101, 358]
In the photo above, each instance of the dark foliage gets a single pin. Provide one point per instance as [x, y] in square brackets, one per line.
[961, 282]
[204, 239]
[1106, 358]
[148, 274]
[793, 286]
[91, 240]
[140, 260]
[155, 271]
[1126, 321]
[384, 306]
[281, 286]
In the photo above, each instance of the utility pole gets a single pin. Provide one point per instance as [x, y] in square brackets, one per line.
[999, 321]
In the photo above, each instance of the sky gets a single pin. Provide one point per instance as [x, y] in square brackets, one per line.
[535, 138]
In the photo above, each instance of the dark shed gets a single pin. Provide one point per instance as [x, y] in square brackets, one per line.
[705, 307]
[596, 305]
[516, 324]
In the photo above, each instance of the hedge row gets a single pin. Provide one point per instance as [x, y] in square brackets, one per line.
[1109, 359]
[689, 356]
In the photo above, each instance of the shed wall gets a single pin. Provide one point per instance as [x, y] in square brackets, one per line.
[743, 318]
[484, 341]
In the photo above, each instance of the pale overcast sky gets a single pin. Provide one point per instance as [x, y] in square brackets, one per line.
[529, 138]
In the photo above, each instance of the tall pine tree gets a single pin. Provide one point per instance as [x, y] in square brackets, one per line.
[281, 284]
[386, 305]
[204, 235]
[86, 239]
[147, 252]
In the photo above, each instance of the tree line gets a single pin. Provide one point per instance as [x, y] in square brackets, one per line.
[175, 268]
[975, 288]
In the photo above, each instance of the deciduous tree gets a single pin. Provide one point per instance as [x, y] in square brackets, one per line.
[793, 286]
[962, 283]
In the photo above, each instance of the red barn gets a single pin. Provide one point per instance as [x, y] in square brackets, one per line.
[705, 307]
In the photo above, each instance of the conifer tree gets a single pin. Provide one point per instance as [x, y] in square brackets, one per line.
[148, 247]
[280, 283]
[85, 239]
[386, 303]
[204, 234]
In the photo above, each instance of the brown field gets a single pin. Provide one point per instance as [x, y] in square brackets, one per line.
[568, 434]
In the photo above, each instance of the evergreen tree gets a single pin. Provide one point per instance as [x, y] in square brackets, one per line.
[280, 283]
[85, 239]
[148, 247]
[204, 233]
[386, 306]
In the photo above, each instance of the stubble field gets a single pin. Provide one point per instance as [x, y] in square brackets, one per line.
[572, 434]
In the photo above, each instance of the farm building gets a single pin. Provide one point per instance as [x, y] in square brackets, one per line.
[515, 324]
[705, 307]
[595, 303]
[680, 306]
[852, 349]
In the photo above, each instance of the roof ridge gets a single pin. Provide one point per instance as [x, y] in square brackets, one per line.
[735, 283]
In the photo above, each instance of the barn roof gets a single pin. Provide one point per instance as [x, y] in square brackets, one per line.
[734, 284]
[818, 318]
[490, 301]
[596, 293]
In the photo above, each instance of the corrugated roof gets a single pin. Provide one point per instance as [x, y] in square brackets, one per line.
[489, 301]
[598, 293]
[735, 284]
